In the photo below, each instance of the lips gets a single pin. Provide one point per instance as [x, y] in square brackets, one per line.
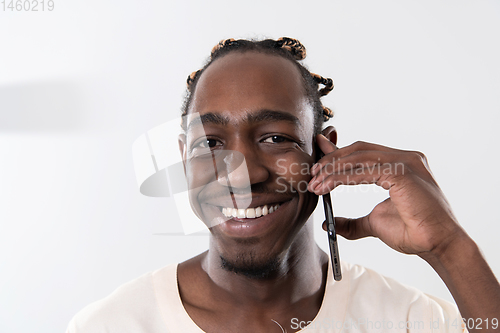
[243, 225]
[249, 213]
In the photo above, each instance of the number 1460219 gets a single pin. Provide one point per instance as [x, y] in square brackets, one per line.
[27, 5]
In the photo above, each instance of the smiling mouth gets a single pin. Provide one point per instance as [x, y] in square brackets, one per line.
[249, 213]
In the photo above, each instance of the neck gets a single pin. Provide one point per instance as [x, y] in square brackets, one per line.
[299, 274]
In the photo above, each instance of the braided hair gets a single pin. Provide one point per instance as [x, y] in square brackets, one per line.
[285, 47]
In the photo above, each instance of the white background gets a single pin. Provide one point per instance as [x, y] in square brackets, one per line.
[79, 84]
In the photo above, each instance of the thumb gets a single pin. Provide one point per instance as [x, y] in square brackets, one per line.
[325, 145]
[352, 228]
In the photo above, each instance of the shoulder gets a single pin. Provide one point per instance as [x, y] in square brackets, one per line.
[132, 307]
[383, 297]
[373, 285]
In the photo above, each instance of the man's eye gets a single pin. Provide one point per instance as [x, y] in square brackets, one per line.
[276, 139]
[209, 143]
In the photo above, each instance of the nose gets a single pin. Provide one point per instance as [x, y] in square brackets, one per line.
[242, 168]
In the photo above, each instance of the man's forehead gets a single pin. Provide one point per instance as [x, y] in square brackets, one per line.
[244, 80]
[252, 87]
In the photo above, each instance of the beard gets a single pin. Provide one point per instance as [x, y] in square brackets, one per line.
[247, 265]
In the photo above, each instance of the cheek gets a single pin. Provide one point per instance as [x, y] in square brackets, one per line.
[198, 174]
[300, 169]
[294, 174]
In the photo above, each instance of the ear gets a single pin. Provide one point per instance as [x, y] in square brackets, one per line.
[331, 134]
[183, 149]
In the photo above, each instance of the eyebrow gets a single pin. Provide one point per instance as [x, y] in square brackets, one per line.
[261, 116]
[272, 116]
[209, 118]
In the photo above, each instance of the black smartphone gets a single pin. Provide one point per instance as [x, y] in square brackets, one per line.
[330, 228]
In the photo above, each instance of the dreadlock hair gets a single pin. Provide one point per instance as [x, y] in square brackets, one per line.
[285, 47]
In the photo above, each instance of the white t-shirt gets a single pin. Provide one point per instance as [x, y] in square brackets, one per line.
[364, 301]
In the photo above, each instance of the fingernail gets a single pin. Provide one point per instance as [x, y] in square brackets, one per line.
[312, 183]
[314, 169]
[317, 186]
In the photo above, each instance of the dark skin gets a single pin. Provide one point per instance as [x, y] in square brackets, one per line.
[415, 219]
[238, 87]
[237, 91]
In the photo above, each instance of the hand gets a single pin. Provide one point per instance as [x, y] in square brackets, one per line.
[415, 219]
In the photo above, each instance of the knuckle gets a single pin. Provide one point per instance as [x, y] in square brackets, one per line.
[418, 157]
[419, 153]
[359, 144]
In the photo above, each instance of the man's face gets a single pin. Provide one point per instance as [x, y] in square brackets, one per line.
[252, 106]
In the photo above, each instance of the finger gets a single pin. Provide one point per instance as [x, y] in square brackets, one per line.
[339, 153]
[350, 228]
[365, 146]
[383, 177]
[326, 146]
[360, 159]
[372, 165]
[368, 163]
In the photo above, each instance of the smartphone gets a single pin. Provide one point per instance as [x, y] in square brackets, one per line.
[332, 237]
[330, 228]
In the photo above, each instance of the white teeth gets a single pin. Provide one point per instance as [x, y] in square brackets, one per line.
[249, 213]
[258, 212]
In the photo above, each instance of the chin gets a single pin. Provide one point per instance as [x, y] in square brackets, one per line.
[258, 258]
[248, 265]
